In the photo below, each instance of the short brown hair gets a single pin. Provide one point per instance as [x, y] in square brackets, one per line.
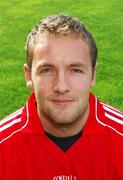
[62, 25]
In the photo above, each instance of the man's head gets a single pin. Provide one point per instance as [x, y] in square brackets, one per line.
[60, 69]
[60, 25]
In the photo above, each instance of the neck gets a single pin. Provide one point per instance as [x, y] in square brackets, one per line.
[64, 130]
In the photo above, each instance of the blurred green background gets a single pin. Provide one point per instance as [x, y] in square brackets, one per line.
[104, 19]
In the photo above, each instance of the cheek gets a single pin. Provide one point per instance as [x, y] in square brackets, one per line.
[42, 91]
[41, 85]
[82, 84]
[44, 88]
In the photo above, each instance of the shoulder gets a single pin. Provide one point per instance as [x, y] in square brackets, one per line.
[12, 125]
[109, 116]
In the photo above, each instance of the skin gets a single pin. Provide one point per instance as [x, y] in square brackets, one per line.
[61, 77]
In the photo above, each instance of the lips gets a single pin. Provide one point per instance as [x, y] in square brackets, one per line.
[61, 101]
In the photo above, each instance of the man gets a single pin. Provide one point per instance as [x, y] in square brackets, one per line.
[63, 132]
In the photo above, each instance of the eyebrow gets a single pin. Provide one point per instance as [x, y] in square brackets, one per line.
[79, 64]
[45, 64]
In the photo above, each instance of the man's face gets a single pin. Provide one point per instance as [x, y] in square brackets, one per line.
[62, 76]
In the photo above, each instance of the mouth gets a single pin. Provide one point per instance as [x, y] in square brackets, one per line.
[60, 102]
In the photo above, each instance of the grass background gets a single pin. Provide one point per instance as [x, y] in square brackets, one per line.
[105, 20]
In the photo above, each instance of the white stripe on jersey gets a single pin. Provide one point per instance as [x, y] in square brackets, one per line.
[14, 132]
[10, 124]
[112, 111]
[114, 118]
[111, 108]
[19, 111]
[103, 124]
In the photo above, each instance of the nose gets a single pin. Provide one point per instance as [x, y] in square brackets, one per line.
[61, 83]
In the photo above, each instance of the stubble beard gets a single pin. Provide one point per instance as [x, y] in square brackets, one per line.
[65, 117]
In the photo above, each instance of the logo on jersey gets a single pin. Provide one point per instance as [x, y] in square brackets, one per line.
[64, 177]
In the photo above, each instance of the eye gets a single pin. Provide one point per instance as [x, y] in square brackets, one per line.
[75, 70]
[47, 70]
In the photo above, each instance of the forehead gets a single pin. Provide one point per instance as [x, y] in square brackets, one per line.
[61, 48]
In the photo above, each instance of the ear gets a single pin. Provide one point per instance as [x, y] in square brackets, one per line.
[93, 81]
[28, 79]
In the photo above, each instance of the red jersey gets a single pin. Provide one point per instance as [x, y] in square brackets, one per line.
[26, 153]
